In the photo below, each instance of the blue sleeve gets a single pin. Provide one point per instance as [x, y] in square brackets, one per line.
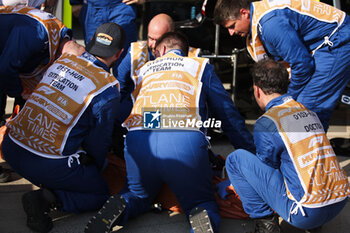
[126, 88]
[66, 32]
[269, 145]
[21, 45]
[282, 40]
[93, 131]
[124, 77]
[222, 108]
[99, 138]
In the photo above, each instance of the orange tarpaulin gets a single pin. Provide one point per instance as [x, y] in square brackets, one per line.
[115, 175]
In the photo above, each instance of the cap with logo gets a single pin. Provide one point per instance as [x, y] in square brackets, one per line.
[108, 39]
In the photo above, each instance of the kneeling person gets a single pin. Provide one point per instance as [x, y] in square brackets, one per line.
[295, 171]
[178, 89]
[59, 140]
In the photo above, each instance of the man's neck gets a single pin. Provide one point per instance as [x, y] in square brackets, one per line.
[268, 98]
[104, 61]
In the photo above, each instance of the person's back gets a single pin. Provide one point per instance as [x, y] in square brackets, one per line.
[171, 98]
[33, 30]
[295, 171]
[66, 127]
[194, 88]
[311, 36]
[61, 97]
[141, 52]
[30, 43]
[138, 54]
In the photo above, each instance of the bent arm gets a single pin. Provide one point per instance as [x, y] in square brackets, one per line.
[282, 41]
[221, 106]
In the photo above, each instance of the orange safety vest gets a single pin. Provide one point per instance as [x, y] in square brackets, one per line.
[171, 84]
[315, 9]
[140, 55]
[57, 103]
[323, 180]
[53, 28]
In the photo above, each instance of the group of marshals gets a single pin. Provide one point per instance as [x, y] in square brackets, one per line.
[60, 138]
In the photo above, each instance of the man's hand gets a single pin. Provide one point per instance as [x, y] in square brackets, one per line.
[129, 2]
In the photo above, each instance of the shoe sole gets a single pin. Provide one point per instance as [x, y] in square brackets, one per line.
[4, 177]
[200, 221]
[105, 218]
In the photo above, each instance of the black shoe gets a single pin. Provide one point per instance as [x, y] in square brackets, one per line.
[200, 221]
[36, 205]
[107, 216]
[314, 230]
[267, 225]
[4, 176]
[341, 146]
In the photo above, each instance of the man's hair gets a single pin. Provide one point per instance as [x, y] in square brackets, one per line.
[229, 9]
[271, 76]
[174, 40]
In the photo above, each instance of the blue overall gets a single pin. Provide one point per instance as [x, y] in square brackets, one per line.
[23, 47]
[260, 179]
[97, 12]
[316, 81]
[180, 157]
[153, 157]
[78, 187]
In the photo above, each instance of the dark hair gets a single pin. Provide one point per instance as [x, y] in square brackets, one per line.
[174, 40]
[271, 76]
[229, 9]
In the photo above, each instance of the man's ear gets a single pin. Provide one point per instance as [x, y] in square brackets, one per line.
[163, 50]
[256, 91]
[244, 13]
[119, 53]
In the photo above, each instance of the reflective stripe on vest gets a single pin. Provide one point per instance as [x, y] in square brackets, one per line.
[57, 104]
[323, 180]
[53, 28]
[140, 56]
[171, 85]
[193, 52]
[314, 9]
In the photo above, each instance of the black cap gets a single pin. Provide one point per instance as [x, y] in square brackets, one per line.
[108, 39]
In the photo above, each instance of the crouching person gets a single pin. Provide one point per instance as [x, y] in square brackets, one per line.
[295, 171]
[157, 152]
[60, 139]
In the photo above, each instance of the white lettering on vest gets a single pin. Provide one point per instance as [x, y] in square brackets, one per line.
[41, 125]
